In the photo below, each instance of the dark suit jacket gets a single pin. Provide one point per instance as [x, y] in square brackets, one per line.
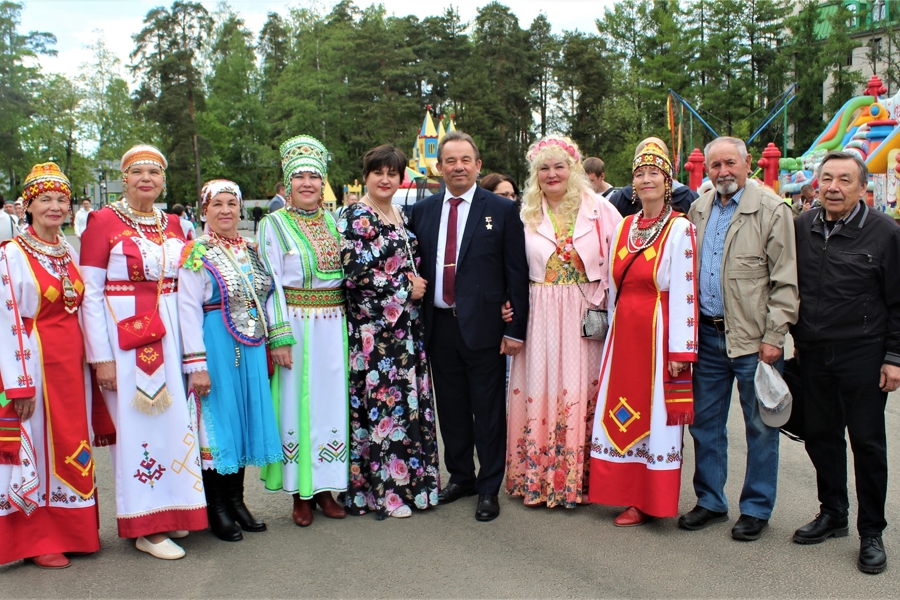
[491, 268]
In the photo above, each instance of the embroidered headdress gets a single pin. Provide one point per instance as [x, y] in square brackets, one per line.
[303, 154]
[552, 140]
[45, 177]
[654, 156]
[143, 154]
[217, 186]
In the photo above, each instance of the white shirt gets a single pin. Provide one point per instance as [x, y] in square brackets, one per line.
[81, 218]
[462, 213]
[187, 227]
[8, 226]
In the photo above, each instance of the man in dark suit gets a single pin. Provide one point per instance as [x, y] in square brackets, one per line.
[472, 246]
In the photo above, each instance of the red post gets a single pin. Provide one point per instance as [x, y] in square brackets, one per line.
[695, 167]
[769, 164]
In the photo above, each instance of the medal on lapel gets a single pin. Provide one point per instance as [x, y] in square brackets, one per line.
[488, 224]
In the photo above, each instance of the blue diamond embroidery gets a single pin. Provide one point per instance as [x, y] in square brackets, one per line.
[623, 414]
[84, 457]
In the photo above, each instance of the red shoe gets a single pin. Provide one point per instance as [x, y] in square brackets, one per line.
[329, 507]
[51, 561]
[303, 511]
[631, 517]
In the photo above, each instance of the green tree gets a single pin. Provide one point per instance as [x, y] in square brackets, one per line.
[234, 122]
[18, 78]
[835, 58]
[801, 59]
[493, 92]
[546, 47]
[170, 96]
[274, 49]
[106, 111]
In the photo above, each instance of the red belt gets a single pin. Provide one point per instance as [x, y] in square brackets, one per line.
[132, 288]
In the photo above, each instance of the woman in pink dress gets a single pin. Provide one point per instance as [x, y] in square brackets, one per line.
[553, 381]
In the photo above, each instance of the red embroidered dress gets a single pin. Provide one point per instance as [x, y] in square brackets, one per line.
[47, 501]
[636, 446]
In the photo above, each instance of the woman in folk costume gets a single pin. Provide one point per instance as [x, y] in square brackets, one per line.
[47, 502]
[553, 381]
[645, 379]
[222, 291]
[307, 336]
[393, 445]
[129, 260]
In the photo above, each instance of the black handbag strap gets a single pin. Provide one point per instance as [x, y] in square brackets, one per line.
[624, 273]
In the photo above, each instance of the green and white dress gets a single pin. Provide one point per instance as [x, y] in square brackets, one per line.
[302, 252]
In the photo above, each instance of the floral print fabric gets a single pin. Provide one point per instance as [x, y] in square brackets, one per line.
[393, 446]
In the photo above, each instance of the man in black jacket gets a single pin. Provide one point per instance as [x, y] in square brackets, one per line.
[472, 247]
[628, 204]
[848, 340]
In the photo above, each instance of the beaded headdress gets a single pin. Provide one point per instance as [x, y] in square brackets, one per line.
[45, 177]
[303, 154]
[653, 155]
[216, 186]
[143, 154]
[552, 140]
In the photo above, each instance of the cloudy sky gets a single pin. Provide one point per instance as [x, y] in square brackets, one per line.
[74, 22]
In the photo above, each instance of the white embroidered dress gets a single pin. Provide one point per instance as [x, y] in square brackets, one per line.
[306, 311]
[156, 458]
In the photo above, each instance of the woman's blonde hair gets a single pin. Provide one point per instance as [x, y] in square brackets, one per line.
[554, 147]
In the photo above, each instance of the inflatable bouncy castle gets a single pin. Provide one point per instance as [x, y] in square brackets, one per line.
[866, 125]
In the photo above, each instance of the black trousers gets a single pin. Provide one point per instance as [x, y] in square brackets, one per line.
[842, 392]
[469, 389]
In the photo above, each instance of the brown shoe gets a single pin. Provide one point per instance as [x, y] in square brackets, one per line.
[330, 508]
[303, 511]
[631, 517]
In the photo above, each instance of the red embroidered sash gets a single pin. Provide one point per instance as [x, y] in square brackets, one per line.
[635, 330]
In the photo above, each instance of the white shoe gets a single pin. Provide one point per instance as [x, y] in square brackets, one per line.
[166, 549]
[402, 512]
[179, 534]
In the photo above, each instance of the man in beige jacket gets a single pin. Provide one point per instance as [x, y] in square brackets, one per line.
[748, 299]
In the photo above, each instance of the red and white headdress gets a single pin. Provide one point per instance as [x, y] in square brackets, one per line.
[45, 177]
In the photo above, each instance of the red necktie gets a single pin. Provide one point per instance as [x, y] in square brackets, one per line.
[450, 254]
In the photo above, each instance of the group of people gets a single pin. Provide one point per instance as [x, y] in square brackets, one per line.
[324, 353]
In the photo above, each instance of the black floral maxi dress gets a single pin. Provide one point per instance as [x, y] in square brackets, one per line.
[393, 446]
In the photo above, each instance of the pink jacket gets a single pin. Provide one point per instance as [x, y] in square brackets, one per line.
[592, 247]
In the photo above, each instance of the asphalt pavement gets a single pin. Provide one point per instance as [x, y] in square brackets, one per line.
[525, 553]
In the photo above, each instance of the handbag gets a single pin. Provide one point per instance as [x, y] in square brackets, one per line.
[145, 328]
[140, 330]
[595, 320]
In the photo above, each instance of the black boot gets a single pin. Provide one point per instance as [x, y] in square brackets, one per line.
[234, 495]
[220, 521]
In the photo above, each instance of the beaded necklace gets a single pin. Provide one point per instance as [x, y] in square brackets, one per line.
[55, 259]
[233, 244]
[639, 237]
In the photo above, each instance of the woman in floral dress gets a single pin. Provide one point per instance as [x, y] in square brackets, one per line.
[553, 381]
[393, 447]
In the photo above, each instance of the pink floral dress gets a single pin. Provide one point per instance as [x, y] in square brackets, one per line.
[553, 387]
[393, 446]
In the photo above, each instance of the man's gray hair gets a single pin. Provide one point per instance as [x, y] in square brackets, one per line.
[739, 145]
[860, 164]
[457, 136]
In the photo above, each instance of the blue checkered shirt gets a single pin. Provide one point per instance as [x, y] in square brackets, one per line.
[710, 287]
